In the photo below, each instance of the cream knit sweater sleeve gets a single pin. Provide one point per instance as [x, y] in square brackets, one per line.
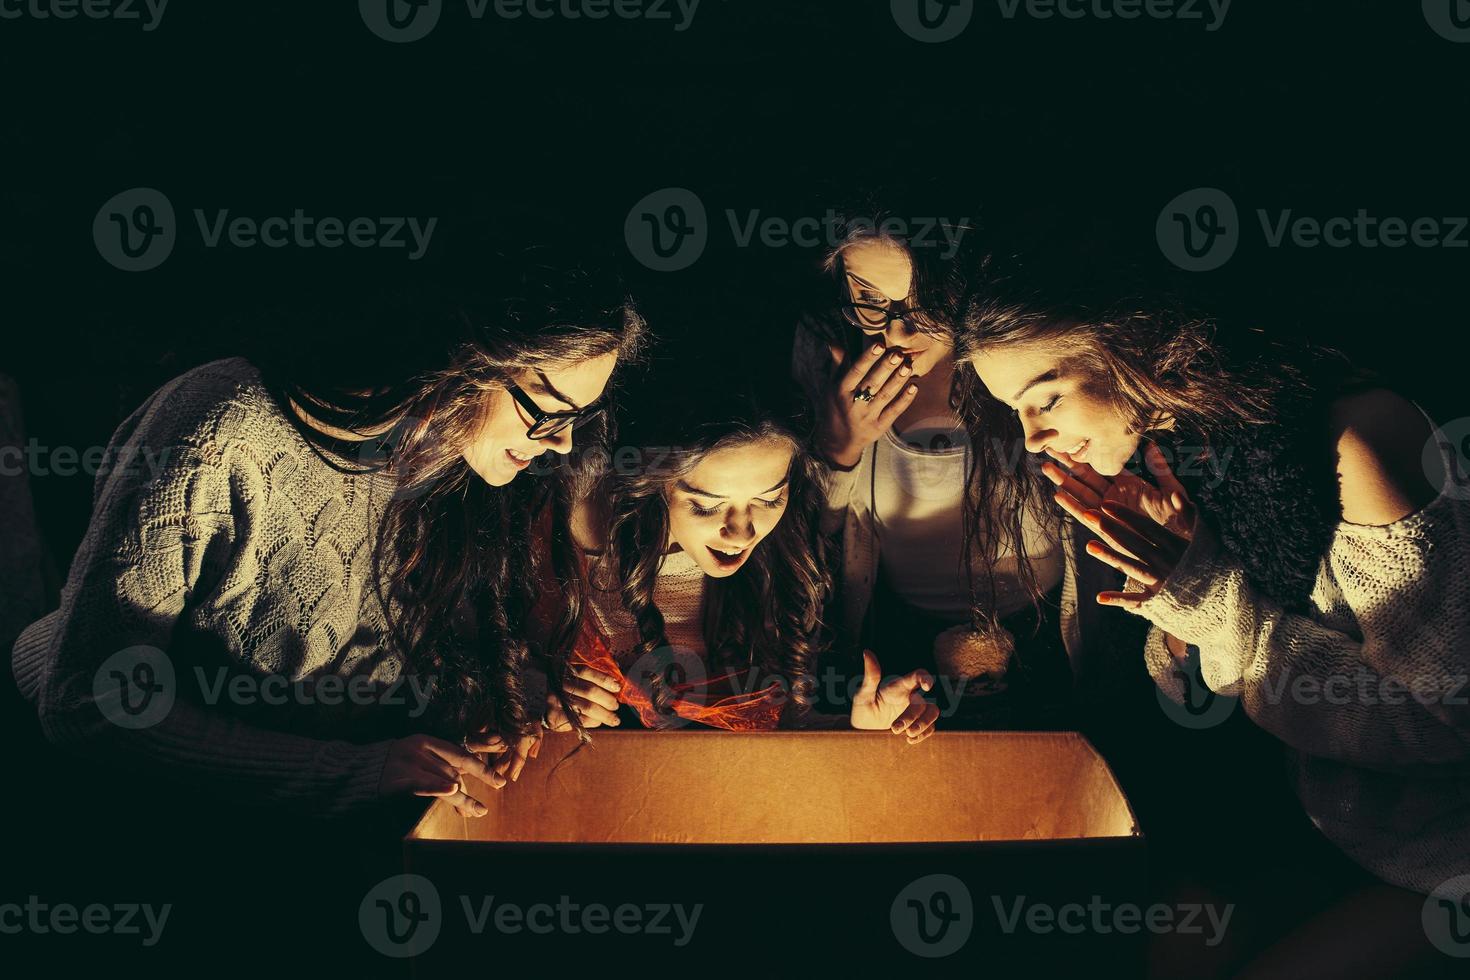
[1375, 678]
[154, 553]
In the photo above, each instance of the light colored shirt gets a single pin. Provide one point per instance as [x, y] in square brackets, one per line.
[918, 501]
[678, 592]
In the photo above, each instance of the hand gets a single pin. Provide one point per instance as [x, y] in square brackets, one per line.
[1139, 547]
[846, 426]
[1083, 489]
[592, 694]
[1145, 529]
[512, 762]
[897, 704]
[428, 766]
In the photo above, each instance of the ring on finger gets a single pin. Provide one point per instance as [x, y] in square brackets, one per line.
[863, 395]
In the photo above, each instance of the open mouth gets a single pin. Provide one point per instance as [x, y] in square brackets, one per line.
[1076, 451]
[517, 460]
[728, 559]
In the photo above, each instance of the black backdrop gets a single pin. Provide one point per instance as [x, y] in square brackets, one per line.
[1040, 128]
[1044, 127]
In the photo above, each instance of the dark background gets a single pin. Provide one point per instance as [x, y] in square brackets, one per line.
[1034, 130]
[1040, 128]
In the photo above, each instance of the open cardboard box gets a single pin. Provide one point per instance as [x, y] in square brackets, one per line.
[800, 849]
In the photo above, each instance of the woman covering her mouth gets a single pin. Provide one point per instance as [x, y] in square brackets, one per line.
[705, 569]
[951, 556]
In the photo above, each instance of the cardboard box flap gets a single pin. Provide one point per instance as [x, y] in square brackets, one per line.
[800, 788]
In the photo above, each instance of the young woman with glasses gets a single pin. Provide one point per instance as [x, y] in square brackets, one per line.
[340, 523]
[950, 555]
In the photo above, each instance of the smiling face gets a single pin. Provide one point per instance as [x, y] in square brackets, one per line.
[880, 273]
[1062, 405]
[721, 509]
[501, 449]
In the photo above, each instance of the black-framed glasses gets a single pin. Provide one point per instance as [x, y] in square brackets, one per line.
[546, 424]
[877, 319]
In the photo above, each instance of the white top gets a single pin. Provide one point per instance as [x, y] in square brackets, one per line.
[1368, 690]
[918, 499]
[678, 592]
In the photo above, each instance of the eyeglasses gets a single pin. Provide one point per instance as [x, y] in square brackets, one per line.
[877, 319]
[545, 424]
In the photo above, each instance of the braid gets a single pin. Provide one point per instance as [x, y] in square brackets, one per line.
[640, 533]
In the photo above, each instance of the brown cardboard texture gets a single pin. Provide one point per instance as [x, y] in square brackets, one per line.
[801, 788]
[802, 846]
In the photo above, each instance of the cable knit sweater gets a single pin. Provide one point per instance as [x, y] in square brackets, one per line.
[678, 592]
[223, 539]
[1368, 692]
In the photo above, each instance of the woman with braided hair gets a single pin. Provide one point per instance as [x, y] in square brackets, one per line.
[706, 569]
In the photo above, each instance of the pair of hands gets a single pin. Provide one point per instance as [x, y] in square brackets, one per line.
[427, 766]
[846, 426]
[897, 704]
[1144, 529]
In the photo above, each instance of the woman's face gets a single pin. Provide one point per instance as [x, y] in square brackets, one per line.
[880, 273]
[501, 449]
[720, 510]
[1061, 404]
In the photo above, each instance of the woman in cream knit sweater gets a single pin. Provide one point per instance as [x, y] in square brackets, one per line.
[1304, 541]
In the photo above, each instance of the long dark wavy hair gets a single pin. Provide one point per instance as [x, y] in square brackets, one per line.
[1000, 497]
[768, 615]
[1252, 407]
[1159, 361]
[456, 561]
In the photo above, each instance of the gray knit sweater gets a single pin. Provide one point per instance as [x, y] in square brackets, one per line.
[221, 538]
